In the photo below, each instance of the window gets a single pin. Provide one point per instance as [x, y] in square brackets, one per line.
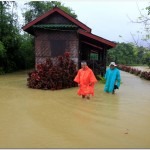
[57, 48]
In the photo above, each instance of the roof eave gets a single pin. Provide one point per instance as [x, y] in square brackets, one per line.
[97, 38]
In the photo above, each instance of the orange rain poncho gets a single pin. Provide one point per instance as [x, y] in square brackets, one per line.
[86, 79]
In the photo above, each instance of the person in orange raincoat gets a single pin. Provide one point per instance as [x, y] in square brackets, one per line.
[86, 81]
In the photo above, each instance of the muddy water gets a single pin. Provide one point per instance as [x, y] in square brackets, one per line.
[32, 118]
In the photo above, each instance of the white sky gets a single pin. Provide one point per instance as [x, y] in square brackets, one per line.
[109, 18]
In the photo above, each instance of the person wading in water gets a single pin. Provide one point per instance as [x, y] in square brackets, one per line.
[112, 78]
[86, 81]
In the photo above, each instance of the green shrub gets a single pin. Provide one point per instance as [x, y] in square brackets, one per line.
[1, 71]
[101, 79]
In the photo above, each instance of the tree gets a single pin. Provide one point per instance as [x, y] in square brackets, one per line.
[129, 54]
[139, 54]
[144, 33]
[123, 53]
[26, 52]
[142, 55]
[8, 33]
[16, 51]
[2, 50]
[146, 58]
[37, 8]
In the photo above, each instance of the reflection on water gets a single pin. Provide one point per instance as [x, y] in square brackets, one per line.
[32, 118]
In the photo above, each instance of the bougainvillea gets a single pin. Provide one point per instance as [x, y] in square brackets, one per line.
[53, 75]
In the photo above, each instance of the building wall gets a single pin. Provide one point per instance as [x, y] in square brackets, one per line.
[48, 41]
[51, 43]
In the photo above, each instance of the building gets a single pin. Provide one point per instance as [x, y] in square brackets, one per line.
[57, 32]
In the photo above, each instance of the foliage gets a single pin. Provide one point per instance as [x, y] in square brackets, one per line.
[101, 79]
[128, 54]
[144, 33]
[122, 54]
[26, 52]
[53, 75]
[142, 54]
[145, 75]
[1, 71]
[141, 74]
[2, 50]
[8, 35]
[145, 20]
[37, 8]
[16, 50]
[135, 71]
[146, 58]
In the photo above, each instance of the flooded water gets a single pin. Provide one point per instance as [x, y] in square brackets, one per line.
[32, 118]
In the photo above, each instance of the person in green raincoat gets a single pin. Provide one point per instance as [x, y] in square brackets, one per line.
[112, 78]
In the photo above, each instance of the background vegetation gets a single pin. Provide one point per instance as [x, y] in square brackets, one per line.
[129, 54]
[17, 47]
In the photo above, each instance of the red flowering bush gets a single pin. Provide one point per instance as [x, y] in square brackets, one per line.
[141, 74]
[53, 75]
[135, 71]
[124, 68]
[145, 75]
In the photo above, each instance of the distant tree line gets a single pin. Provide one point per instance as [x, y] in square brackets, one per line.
[129, 54]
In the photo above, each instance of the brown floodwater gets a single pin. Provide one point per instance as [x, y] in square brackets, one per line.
[31, 118]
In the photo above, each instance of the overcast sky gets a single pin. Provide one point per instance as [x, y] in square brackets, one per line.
[110, 18]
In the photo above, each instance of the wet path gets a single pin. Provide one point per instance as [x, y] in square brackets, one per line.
[60, 119]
